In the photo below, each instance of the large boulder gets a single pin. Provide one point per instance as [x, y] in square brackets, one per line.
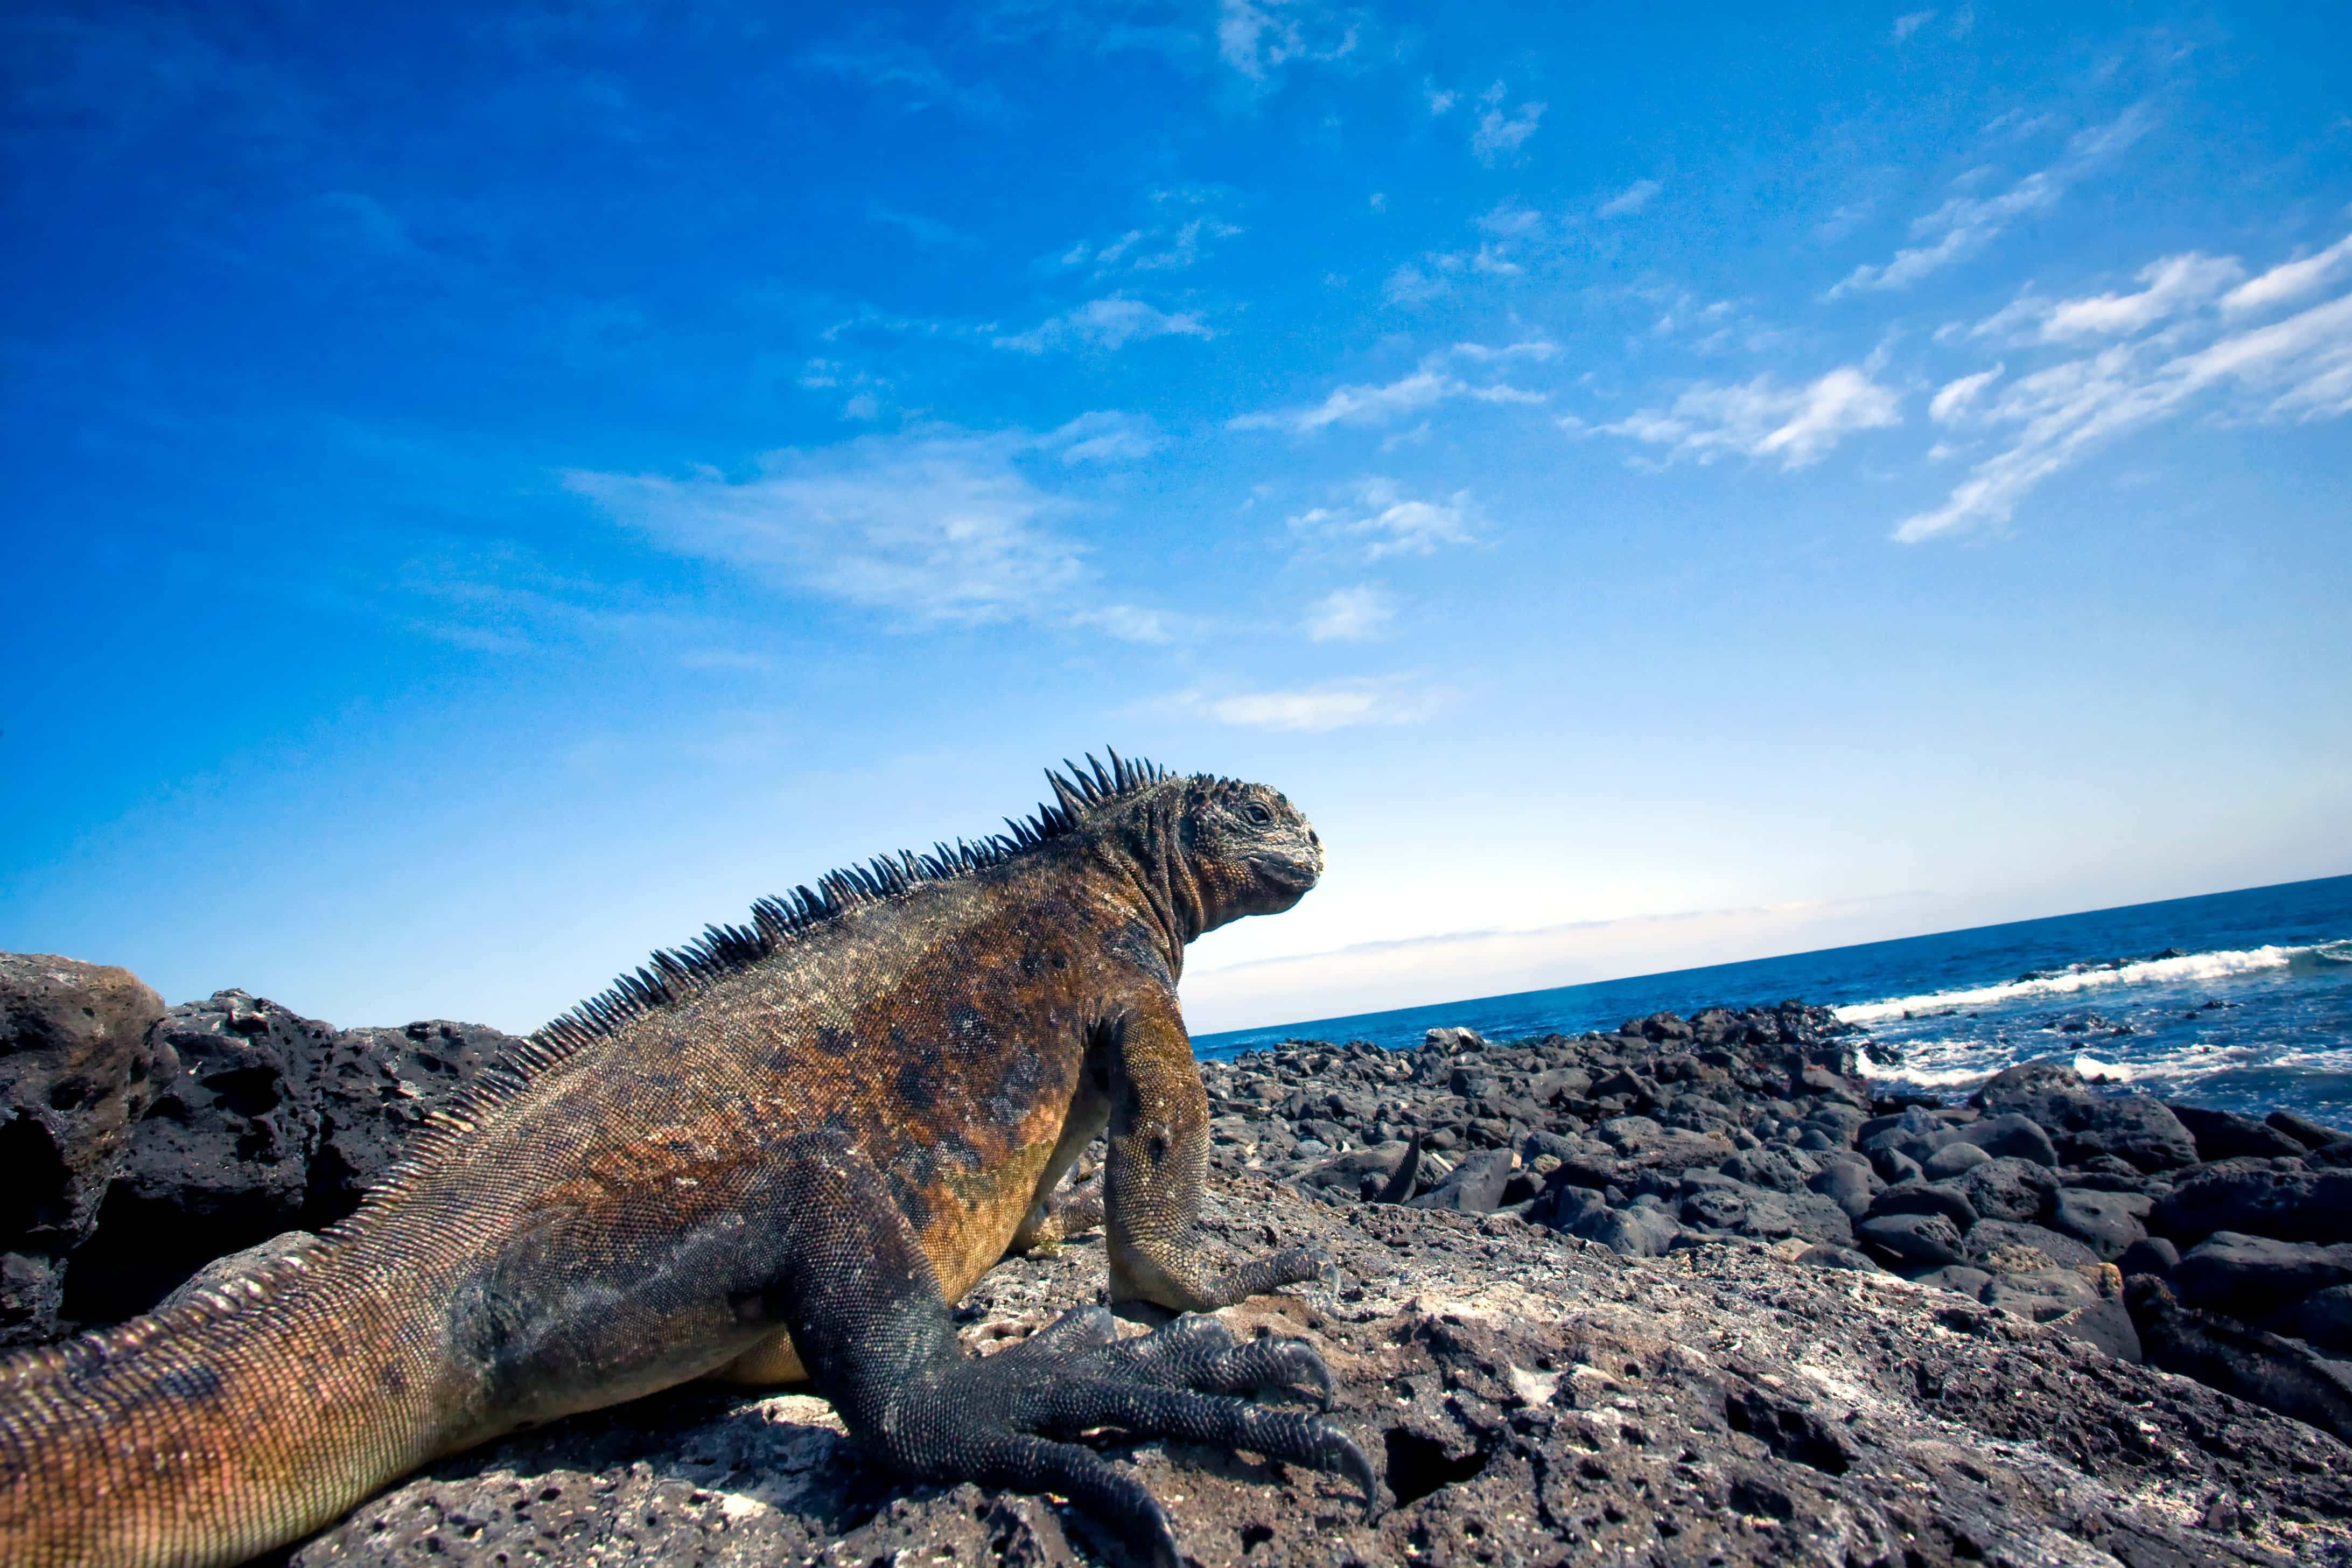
[2224, 1353]
[2249, 1276]
[77, 1071]
[2226, 1135]
[2261, 1197]
[2133, 1127]
[373, 1089]
[2107, 1223]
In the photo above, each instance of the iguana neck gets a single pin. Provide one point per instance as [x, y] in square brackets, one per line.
[1148, 856]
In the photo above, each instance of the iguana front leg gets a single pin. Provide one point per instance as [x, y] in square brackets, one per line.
[863, 1306]
[1151, 1181]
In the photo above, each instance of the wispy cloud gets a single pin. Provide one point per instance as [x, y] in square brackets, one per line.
[941, 527]
[1385, 402]
[1111, 323]
[1133, 623]
[1349, 615]
[1375, 515]
[910, 80]
[2298, 369]
[1911, 22]
[1964, 226]
[1332, 705]
[1497, 133]
[2175, 284]
[1759, 418]
[1630, 200]
[923, 230]
[2289, 280]
[1105, 435]
[1258, 36]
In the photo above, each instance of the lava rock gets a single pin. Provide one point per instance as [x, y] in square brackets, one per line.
[2133, 1127]
[2107, 1223]
[2004, 1247]
[2226, 1135]
[1954, 1159]
[1476, 1186]
[1849, 1186]
[2255, 1365]
[2304, 1131]
[1634, 1231]
[2012, 1137]
[78, 1069]
[2260, 1198]
[1919, 1238]
[1925, 1198]
[373, 1089]
[2324, 1317]
[2150, 1255]
[2009, 1187]
[2247, 1276]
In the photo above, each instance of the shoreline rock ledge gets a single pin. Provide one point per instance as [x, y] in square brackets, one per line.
[1686, 1292]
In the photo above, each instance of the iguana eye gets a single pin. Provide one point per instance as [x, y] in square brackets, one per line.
[1259, 815]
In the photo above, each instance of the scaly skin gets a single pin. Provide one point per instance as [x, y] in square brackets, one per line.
[778, 1158]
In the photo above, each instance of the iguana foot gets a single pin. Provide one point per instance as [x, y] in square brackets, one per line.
[993, 1420]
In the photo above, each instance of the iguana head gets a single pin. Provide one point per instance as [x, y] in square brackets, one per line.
[1249, 850]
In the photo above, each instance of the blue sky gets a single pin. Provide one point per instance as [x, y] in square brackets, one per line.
[491, 489]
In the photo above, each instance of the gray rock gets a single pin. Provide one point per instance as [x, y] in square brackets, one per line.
[1476, 1186]
[1850, 1186]
[2012, 1137]
[1919, 1239]
[2261, 1198]
[2039, 1295]
[2250, 1275]
[1925, 1198]
[2150, 1255]
[1952, 1160]
[2106, 1325]
[2255, 1365]
[2107, 1223]
[2010, 1188]
[2006, 1247]
[78, 1069]
[1634, 1231]
[2304, 1131]
[1957, 1278]
[1347, 1173]
[2082, 1125]
[2226, 1135]
[2324, 1317]
[1827, 1255]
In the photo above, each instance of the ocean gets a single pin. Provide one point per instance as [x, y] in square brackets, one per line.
[2239, 1000]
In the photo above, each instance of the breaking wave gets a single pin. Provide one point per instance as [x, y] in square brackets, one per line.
[2171, 968]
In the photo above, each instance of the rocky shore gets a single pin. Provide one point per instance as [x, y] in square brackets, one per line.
[1687, 1291]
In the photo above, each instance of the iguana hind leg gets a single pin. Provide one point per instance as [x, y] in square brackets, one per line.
[864, 1309]
[1151, 1179]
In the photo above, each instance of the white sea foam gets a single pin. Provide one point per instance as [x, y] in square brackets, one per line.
[2192, 967]
[1935, 1064]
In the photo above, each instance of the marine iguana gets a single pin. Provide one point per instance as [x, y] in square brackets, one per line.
[778, 1153]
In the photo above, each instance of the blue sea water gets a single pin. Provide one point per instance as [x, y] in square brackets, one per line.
[2239, 1000]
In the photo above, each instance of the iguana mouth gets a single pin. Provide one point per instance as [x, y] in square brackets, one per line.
[1288, 873]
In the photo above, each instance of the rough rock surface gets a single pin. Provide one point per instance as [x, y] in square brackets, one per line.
[1527, 1399]
[76, 1070]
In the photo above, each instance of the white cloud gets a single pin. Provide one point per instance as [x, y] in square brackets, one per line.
[1105, 435]
[1132, 623]
[1963, 226]
[1910, 23]
[1630, 200]
[2289, 280]
[2298, 369]
[1389, 522]
[1440, 100]
[937, 527]
[1254, 36]
[2175, 284]
[1349, 615]
[1109, 323]
[1497, 133]
[1537, 349]
[1365, 403]
[1956, 398]
[1759, 419]
[1333, 705]
[1409, 285]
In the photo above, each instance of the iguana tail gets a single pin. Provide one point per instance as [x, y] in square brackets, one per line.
[218, 1428]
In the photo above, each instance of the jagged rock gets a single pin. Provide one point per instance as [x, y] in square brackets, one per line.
[77, 1071]
[372, 1089]
[1476, 1185]
[2133, 1127]
[2257, 1366]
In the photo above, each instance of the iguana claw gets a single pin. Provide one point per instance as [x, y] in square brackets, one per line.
[995, 1419]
